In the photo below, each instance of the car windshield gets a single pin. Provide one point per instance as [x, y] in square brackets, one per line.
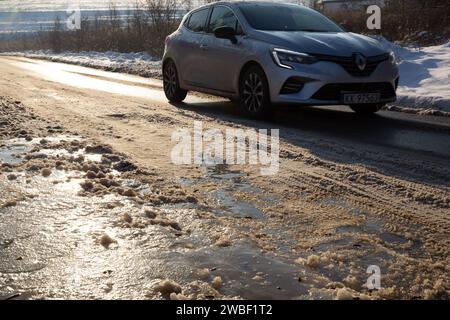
[279, 17]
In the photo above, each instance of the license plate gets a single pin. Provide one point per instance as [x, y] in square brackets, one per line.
[360, 98]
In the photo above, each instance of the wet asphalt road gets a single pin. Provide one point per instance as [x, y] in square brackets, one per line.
[417, 133]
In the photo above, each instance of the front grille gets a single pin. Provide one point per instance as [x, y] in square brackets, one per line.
[333, 91]
[292, 85]
[348, 63]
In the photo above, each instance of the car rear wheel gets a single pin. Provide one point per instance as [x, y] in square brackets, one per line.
[254, 93]
[366, 109]
[171, 84]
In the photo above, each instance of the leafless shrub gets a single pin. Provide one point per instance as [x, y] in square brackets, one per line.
[144, 31]
[422, 22]
[163, 21]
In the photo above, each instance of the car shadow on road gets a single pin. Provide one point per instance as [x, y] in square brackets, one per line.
[348, 138]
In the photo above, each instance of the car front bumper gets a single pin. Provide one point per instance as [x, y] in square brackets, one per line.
[323, 83]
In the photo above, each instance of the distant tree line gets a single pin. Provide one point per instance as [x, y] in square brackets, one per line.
[426, 22]
[412, 21]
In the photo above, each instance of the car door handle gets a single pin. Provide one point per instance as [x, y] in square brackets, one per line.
[204, 47]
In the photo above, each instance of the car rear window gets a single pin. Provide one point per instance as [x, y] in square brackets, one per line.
[281, 17]
[197, 20]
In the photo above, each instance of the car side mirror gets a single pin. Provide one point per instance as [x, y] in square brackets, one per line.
[226, 33]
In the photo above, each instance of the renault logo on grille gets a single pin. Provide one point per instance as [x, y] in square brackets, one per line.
[360, 61]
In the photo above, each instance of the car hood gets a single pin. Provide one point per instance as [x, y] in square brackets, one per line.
[327, 43]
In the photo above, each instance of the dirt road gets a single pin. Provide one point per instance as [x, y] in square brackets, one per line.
[350, 193]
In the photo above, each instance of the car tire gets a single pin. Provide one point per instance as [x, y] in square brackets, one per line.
[254, 95]
[366, 109]
[171, 83]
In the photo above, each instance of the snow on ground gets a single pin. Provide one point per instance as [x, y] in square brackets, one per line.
[424, 72]
[134, 63]
[424, 76]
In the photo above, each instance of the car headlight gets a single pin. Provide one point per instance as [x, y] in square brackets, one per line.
[392, 58]
[285, 58]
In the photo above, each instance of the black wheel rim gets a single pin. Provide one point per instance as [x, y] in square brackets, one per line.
[170, 79]
[253, 92]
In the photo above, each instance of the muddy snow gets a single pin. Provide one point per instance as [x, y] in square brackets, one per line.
[81, 219]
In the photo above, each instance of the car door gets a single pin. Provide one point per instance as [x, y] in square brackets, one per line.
[222, 59]
[191, 55]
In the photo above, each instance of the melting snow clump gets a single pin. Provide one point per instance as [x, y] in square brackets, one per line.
[313, 261]
[344, 294]
[217, 283]
[106, 241]
[174, 296]
[167, 287]
[223, 242]
[46, 172]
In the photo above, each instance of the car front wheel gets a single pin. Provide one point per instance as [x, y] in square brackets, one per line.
[254, 93]
[366, 109]
[171, 83]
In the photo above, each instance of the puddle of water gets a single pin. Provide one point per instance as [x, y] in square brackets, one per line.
[221, 172]
[246, 187]
[392, 238]
[56, 220]
[12, 153]
[236, 207]
[232, 181]
[239, 265]
[376, 226]
[15, 148]
[235, 182]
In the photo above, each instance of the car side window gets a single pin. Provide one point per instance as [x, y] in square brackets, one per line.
[197, 20]
[224, 17]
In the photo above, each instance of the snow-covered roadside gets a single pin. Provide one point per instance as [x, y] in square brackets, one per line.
[424, 77]
[139, 63]
[424, 72]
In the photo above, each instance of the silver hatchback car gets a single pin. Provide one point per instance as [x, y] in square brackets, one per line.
[263, 53]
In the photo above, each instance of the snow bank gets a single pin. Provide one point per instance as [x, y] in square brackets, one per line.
[424, 76]
[134, 63]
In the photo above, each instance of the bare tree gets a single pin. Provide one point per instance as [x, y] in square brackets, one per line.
[55, 35]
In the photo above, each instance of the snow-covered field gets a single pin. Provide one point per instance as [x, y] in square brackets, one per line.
[424, 72]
